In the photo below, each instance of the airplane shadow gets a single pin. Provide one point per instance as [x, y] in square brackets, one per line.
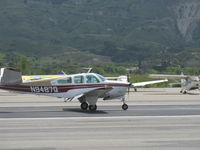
[78, 110]
[193, 93]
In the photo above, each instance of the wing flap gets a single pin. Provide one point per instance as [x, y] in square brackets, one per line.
[98, 92]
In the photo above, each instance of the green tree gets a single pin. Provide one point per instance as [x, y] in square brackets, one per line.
[24, 65]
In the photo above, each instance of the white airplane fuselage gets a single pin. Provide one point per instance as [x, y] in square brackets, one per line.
[71, 90]
[117, 91]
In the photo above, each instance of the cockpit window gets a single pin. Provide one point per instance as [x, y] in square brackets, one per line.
[78, 79]
[91, 79]
[101, 77]
[65, 81]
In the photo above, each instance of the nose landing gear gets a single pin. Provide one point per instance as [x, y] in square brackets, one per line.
[124, 106]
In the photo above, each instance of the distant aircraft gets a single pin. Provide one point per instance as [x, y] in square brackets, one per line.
[187, 82]
[88, 87]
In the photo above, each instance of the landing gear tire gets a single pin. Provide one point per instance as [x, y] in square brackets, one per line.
[185, 92]
[84, 106]
[93, 107]
[124, 106]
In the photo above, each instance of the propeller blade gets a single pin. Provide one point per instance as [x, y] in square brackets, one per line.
[128, 80]
[128, 77]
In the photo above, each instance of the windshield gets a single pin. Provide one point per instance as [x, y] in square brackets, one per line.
[101, 77]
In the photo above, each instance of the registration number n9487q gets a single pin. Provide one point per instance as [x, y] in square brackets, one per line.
[44, 89]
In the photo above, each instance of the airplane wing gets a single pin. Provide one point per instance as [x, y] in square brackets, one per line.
[148, 82]
[168, 76]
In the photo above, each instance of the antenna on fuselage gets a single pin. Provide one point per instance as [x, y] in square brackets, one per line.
[88, 69]
[63, 72]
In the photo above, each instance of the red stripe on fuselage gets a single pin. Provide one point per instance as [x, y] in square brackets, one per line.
[60, 88]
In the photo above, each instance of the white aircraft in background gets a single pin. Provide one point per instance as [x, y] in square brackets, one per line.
[187, 82]
[88, 87]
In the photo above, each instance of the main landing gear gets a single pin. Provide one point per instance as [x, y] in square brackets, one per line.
[84, 106]
[183, 91]
[93, 107]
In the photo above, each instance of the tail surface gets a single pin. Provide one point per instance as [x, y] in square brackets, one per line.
[10, 76]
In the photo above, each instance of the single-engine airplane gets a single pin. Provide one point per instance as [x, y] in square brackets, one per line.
[88, 87]
[187, 82]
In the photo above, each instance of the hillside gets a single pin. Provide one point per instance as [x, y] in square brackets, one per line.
[144, 32]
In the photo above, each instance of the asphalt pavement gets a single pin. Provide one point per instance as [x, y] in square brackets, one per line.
[156, 119]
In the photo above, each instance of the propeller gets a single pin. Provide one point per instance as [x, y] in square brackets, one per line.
[128, 77]
[128, 80]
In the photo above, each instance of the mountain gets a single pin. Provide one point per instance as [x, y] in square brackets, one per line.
[143, 32]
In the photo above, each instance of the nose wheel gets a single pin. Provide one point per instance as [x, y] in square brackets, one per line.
[124, 106]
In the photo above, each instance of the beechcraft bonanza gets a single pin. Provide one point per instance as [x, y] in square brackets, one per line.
[88, 87]
[187, 82]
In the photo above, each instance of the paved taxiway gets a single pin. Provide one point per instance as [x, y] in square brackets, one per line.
[156, 119]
